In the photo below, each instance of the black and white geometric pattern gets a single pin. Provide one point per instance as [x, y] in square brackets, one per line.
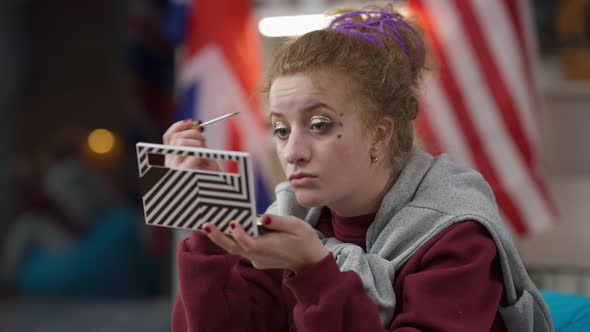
[185, 199]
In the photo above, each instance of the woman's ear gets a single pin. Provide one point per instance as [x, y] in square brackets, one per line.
[383, 132]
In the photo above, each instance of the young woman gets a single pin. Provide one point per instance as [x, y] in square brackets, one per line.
[369, 233]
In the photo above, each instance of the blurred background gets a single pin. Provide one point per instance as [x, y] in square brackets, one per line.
[84, 81]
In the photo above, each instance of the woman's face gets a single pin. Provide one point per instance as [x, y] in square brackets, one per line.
[320, 139]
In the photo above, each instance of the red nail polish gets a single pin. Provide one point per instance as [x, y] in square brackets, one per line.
[232, 225]
[267, 220]
[207, 229]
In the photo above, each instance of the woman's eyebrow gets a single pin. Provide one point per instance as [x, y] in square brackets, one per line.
[306, 109]
[315, 105]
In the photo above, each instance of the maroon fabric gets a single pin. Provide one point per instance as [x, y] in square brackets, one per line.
[346, 229]
[443, 287]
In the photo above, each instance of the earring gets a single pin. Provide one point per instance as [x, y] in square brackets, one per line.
[374, 159]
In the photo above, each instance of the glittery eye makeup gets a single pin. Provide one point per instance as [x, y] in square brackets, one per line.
[320, 124]
[317, 124]
[280, 130]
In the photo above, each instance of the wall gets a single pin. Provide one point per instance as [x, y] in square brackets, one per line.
[565, 123]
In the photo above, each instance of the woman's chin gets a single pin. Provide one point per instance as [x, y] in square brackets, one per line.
[309, 201]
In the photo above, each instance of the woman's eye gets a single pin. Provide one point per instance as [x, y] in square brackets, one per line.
[320, 126]
[280, 131]
[320, 123]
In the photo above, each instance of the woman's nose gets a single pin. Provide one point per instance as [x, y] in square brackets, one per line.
[297, 150]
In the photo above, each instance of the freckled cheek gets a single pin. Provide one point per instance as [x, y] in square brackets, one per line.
[335, 156]
[281, 153]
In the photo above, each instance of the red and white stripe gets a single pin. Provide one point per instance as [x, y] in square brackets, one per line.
[480, 104]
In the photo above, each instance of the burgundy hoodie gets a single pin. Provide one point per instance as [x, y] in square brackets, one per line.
[443, 287]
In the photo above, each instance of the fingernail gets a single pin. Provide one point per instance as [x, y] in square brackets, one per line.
[267, 220]
[207, 229]
[187, 120]
[232, 225]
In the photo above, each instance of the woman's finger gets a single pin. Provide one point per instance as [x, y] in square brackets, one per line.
[191, 133]
[175, 127]
[286, 224]
[188, 142]
[175, 161]
[259, 251]
[246, 242]
[221, 239]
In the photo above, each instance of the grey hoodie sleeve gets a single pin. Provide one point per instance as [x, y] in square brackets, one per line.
[376, 273]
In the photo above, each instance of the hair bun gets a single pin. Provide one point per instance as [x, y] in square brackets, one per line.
[376, 24]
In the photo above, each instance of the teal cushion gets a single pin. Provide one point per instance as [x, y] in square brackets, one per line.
[570, 312]
[110, 261]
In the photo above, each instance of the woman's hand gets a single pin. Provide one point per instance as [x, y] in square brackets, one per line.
[292, 244]
[182, 133]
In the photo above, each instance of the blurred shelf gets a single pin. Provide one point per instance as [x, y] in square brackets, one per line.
[567, 90]
[554, 86]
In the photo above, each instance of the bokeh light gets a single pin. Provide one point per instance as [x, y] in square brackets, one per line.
[101, 141]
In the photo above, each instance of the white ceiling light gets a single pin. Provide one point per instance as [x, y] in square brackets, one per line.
[282, 26]
[279, 20]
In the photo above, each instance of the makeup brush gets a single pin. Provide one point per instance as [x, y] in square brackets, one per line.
[200, 124]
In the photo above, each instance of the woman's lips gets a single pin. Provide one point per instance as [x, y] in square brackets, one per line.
[301, 179]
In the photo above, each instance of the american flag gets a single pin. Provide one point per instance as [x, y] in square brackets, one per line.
[220, 73]
[480, 104]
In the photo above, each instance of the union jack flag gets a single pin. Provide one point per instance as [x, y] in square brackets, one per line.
[220, 73]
